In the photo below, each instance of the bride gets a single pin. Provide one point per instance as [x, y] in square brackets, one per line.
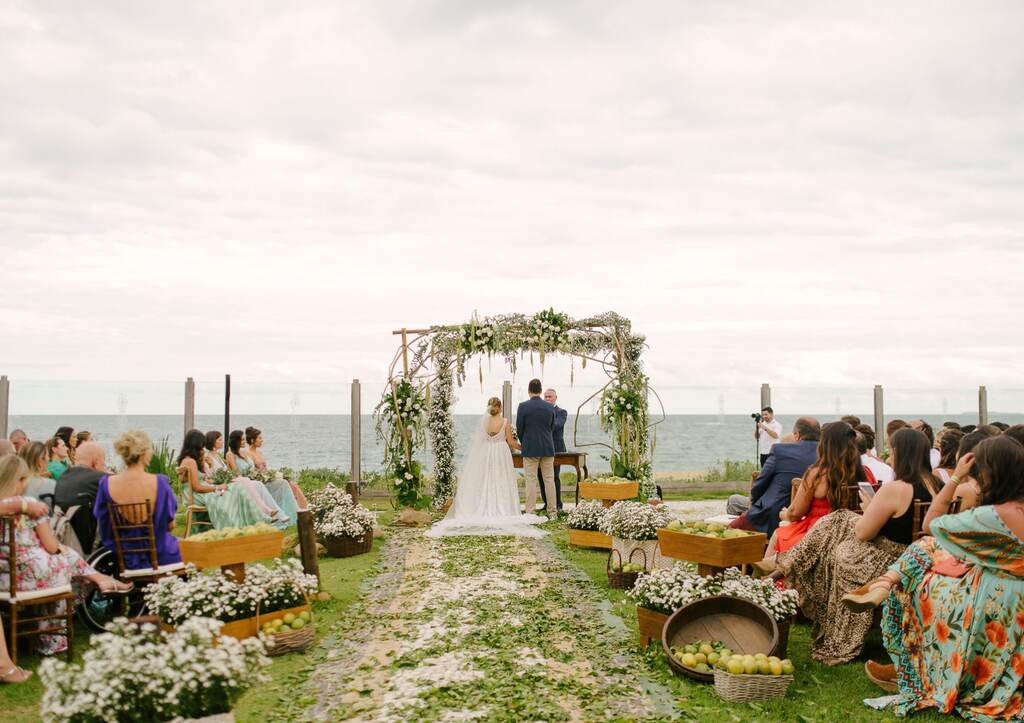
[487, 500]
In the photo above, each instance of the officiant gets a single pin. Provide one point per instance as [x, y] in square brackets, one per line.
[551, 397]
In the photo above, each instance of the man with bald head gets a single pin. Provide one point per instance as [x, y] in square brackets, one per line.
[79, 486]
[19, 439]
[771, 490]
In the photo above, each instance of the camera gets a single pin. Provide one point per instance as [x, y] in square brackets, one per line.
[756, 416]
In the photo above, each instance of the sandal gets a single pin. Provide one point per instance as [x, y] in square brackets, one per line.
[115, 588]
[884, 676]
[15, 675]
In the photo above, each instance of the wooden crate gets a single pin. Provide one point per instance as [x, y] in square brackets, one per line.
[237, 550]
[650, 624]
[590, 538]
[247, 627]
[712, 551]
[598, 491]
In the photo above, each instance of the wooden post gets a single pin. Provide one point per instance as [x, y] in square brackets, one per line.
[307, 543]
[879, 421]
[190, 404]
[227, 410]
[357, 440]
[506, 400]
[766, 396]
[5, 405]
[982, 405]
[405, 352]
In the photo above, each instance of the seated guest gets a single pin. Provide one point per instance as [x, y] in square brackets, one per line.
[237, 504]
[254, 438]
[866, 446]
[825, 487]
[922, 426]
[79, 486]
[57, 460]
[845, 550]
[951, 425]
[891, 428]
[42, 561]
[133, 486]
[1015, 432]
[213, 458]
[772, 488]
[33, 509]
[70, 440]
[1001, 426]
[851, 419]
[948, 443]
[41, 483]
[81, 438]
[952, 620]
[19, 439]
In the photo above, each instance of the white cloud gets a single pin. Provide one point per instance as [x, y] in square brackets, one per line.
[816, 195]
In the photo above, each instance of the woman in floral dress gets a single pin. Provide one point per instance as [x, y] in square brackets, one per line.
[42, 561]
[953, 622]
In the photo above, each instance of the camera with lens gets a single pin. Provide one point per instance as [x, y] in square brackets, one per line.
[756, 416]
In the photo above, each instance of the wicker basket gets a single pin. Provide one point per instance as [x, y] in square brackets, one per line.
[348, 546]
[290, 641]
[743, 688]
[623, 580]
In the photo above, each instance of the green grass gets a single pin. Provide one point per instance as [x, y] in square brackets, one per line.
[819, 694]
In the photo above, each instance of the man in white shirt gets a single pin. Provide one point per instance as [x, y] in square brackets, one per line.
[767, 434]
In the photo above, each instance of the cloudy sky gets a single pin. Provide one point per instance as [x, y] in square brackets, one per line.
[817, 194]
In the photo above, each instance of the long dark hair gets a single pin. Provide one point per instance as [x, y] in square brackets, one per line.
[999, 466]
[192, 448]
[839, 462]
[949, 443]
[65, 434]
[211, 439]
[911, 457]
[235, 441]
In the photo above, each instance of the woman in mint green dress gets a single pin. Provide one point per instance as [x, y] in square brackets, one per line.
[953, 622]
[283, 492]
[231, 505]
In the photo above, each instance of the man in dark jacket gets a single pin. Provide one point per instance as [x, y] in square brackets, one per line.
[78, 486]
[771, 490]
[535, 427]
[551, 397]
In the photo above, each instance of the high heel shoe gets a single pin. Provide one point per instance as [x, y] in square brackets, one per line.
[865, 598]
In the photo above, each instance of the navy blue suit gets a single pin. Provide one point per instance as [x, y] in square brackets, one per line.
[559, 437]
[771, 490]
[535, 427]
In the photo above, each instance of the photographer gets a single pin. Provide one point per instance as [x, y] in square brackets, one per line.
[767, 433]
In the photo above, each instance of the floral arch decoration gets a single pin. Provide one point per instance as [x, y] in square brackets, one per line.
[419, 393]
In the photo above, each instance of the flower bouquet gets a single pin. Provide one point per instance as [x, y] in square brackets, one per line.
[635, 525]
[343, 527]
[584, 525]
[136, 673]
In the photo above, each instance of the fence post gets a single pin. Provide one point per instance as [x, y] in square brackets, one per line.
[5, 405]
[190, 405]
[356, 412]
[307, 543]
[766, 395]
[879, 421]
[227, 409]
[982, 405]
[506, 400]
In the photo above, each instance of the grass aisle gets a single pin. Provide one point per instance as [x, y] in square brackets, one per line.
[477, 628]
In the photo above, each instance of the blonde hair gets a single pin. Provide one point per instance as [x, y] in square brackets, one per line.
[494, 406]
[34, 454]
[12, 469]
[133, 446]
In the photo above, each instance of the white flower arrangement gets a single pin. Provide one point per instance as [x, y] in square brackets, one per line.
[587, 515]
[132, 673]
[176, 599]
[266, 476]
[635, 520]
[335, 514]
[666, 591]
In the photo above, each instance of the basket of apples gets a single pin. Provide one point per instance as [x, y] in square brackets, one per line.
[623, 576]
[291, 633]
[744, 678]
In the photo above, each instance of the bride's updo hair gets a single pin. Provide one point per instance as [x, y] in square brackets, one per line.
[494, 406]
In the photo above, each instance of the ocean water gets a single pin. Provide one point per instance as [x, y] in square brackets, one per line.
[684, 442]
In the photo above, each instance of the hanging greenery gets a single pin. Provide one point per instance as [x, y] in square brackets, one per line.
[439, 360]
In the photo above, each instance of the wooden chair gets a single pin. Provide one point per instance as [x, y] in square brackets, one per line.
[191, 509]
[921, 509]
[138, 516]
[34, 623]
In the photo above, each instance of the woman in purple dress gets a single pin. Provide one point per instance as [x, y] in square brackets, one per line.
[136, 485]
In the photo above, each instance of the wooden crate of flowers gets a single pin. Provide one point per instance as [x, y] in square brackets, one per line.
[583, 525]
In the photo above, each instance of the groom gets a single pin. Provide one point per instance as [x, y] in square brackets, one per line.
[535, 427]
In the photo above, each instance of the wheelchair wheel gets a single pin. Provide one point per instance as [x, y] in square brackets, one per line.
[98, 609]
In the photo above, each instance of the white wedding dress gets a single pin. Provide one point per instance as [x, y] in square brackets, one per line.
[487, 498]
